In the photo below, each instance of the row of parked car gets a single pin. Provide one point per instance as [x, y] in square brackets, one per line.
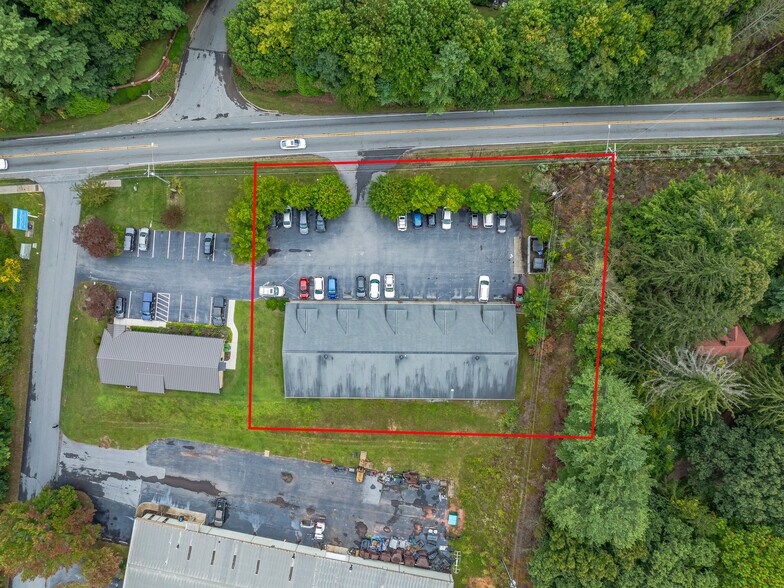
[328, 288]
[130, 241]
[419, 220]
[286, 219]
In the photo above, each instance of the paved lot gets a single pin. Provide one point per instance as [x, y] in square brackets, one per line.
[429, 263]
[269, 496]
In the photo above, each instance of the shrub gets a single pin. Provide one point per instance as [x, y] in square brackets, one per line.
[93, 193]
[282, 304]
[126, 95]
[98, 301]
[95, 237]
[271, 303]
[306, 85]
[172, 216]
[80, 105]
[179, 44]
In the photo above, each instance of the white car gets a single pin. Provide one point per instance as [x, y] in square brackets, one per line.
[318, 288]
[402, 222]
[375, 286]
[144, 238]
[287, 214]
[3, 164]
[389, 286]
[272, 291]
[489, 221]
[293, 144]
[446, 220]
[483, 294]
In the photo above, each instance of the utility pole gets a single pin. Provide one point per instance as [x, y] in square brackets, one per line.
[151, 168]
[512, 583]
[607, 147]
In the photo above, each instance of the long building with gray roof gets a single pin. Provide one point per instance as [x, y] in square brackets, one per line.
[167, 553]
[156, 362]
[411, 350]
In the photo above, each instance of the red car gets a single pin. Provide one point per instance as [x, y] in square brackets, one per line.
[517, 294]
[304, 289]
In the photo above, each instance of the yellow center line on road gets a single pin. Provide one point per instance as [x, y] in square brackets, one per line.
[603, 123]
[76, 151]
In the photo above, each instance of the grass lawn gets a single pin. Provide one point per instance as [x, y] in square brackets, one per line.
[150, 57]
[20, 378]
[209, 190]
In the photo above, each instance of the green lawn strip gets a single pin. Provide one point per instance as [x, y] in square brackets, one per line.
[116, 115]
[208, 192]
[193, 10]
[150, 57]
[20, 378]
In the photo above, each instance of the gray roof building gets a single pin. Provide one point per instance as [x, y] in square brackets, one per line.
[166, 553]
[407, 350]
[155, 362]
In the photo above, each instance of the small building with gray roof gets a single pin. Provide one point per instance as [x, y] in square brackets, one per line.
[411, 350]
[168, 553]
[156, 362]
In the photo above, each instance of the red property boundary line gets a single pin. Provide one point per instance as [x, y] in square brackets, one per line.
[256, 166]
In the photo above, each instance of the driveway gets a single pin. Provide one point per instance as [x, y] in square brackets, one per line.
[268, 496]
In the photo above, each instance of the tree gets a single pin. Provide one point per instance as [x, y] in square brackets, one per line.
[537, 308]
[260, 36]
[93, 193]
[389, 196]
[770, 310]
[694, 386]
[331, 196]
[172, 216]
[480, 197]
[508, 197]
[616, 336]
[240, 219]
[765, 401]
[738, 469]
[67, 12]
[98, 300]
[271, 195]
[300, 196]
[541, 221]
[11, 274]
[453, 197]
[95, 237]
[751, 557]
[601, 495]
[424, 193]
[100, 567]
[438, 94]
[50, 531]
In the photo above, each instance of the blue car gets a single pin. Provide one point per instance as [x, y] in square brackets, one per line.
[148, 306]
[417, 220]
[332, 287]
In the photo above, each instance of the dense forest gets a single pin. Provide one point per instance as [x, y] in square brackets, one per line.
[65, 55]
[682, 484]
[440, 54]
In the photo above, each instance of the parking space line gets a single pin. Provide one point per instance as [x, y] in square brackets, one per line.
[153, 243]
[168, 244]
[198, 246]
[209, 316]
[196, 310]
[130, 297]
[180, 319]
[184, 238]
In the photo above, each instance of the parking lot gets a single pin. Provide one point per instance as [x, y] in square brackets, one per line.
[428, 263]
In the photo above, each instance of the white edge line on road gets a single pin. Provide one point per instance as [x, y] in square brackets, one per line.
[198, 247]
[184, 238]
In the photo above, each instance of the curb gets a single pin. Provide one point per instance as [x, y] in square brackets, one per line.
[164, 107]
[252, 105]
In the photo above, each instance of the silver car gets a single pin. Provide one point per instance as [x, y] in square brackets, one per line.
[287, 217]
[375, 287]
[304, 228]
[144, 238]
[389, 286]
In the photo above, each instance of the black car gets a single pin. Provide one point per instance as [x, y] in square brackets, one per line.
[275, 222]
[119, 307]
[361, 287]
[209, 244]
[219, 311]
[221, 511]
[129, 243]
[321, 224]
[431, 219]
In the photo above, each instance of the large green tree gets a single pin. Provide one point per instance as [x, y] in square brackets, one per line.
[50, 531]
[601, 494]
[240, 219]
[751, 558]
[331, 196]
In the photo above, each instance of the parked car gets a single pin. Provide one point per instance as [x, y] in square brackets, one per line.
[221, 511]
[148, 306]
[272, 291]
[446, 219]
[129, 243]
[402, 222]
[219, 311]
[318, 288]
[304, 228]
[144, 238]
[536, 255]
[417, 219]
[431, 219]
[375, 287]
[503, 222]
[483, 293]
[119, 307]
[517, 293]
[275, 221]
[332, 287]
[287, 214]
[3, 164]
[474, 222]
[304, 289]
[360, 290]
[293, 144]
[209, 244]
[489, 221]
[321, 224]
[389, 286]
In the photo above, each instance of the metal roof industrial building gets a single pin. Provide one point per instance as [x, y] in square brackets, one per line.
[166, 553]
[412, 350]
[155, 362]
